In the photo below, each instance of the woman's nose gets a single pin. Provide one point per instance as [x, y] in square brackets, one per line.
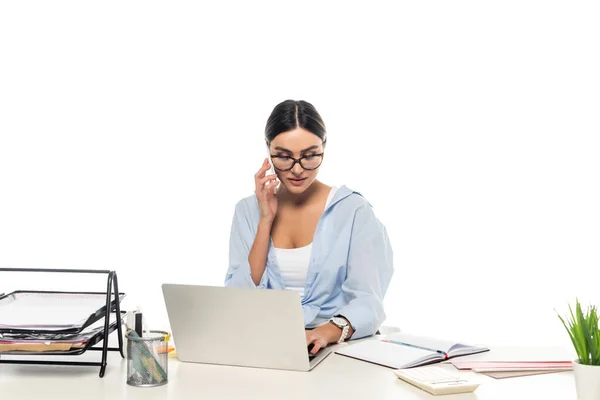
[297, 170]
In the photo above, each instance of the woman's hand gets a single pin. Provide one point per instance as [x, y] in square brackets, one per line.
[265, 193]
[327, 333]
[322, 335]
[317, 339]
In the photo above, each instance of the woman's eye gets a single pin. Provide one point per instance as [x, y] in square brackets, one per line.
[310, 157]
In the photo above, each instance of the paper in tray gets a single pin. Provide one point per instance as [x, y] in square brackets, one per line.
[35, 311]
[56, 343]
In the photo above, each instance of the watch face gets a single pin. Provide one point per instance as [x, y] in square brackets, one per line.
[339, 321]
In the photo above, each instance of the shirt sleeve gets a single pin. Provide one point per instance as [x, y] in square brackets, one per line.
[240, 242]
[370, 269]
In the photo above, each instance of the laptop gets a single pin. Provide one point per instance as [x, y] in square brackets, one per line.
[239, 326]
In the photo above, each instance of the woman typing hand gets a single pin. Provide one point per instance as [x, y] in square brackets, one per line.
[323, 335]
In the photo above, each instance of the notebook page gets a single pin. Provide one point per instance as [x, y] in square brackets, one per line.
[460, 349]
[423, 341]
[388, 354]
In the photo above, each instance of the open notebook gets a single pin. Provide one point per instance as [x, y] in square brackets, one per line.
[402, 350]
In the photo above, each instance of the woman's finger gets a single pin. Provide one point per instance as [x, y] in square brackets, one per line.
[316, 347]
[261, 172]
[266, 189]
[273, 186]
[270, 186]
[267, 178]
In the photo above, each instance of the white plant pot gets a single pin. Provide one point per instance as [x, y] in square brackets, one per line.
[587, 381]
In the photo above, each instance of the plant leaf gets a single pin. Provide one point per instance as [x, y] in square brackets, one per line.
[578, 333]
[593, 338]
[584, 331]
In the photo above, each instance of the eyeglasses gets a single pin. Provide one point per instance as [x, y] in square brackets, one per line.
[308, 162]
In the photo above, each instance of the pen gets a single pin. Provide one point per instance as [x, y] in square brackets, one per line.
[165, 349]
[416, 347]
[138, 324]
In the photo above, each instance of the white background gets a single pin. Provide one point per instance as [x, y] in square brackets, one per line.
[129, 130]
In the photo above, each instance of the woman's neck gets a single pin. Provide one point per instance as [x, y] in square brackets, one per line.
[313, 192]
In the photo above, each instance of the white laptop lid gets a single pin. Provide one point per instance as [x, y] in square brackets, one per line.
[236, 326]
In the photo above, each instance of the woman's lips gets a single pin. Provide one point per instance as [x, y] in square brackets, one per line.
[296, 182]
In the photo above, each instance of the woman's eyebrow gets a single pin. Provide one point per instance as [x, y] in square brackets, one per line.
[282, 149]
[301, 151]
[309, 148]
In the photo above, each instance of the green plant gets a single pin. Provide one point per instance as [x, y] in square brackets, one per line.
[584, 332]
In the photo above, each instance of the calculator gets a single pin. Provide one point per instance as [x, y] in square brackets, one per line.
[437, 380]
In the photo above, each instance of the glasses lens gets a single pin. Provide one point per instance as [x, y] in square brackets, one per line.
[311, 162]
[282, 163]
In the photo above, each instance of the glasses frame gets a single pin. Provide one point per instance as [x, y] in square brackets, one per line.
[298, 161]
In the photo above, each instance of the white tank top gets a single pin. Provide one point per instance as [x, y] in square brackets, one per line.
[293, 263]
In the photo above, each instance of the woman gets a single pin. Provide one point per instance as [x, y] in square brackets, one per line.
[297, 233]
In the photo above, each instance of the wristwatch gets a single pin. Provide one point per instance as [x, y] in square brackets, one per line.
[343, 325]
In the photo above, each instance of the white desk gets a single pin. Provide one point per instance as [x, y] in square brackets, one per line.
[337, 377]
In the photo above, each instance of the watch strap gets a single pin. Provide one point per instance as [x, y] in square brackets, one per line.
[345, 328]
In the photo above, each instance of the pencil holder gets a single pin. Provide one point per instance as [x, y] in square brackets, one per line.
[147, 358]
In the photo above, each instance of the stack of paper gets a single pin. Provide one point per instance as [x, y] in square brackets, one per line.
[505, 369]
[515, 361]
[40, 342]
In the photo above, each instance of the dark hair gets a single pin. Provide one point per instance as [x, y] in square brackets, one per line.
[291, 114]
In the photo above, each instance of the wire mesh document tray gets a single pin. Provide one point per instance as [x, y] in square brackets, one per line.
[43, 323]
[45, 311]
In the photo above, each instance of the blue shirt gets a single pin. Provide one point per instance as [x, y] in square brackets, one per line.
[350, 266]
